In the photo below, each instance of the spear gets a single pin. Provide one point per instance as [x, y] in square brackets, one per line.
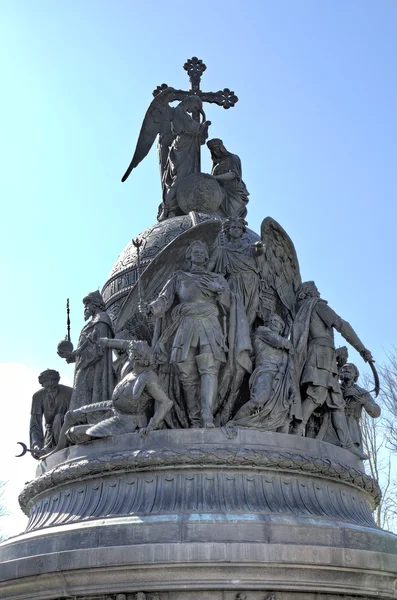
[68, 319]
[138, 243]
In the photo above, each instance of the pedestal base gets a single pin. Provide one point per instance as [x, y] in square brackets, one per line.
[193, 514]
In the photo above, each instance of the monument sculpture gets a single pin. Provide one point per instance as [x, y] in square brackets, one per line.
[51, 403]
[195, 341]
[315, 360]
[132, 400]
[238, 262]
[93, 375]
[228, 172]
[272, 385]
[357, 399]
[212, 446]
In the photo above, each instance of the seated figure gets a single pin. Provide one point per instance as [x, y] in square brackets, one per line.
[271, 383]
[131, 405]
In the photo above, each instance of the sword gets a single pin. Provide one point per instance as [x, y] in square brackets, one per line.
[376, 377]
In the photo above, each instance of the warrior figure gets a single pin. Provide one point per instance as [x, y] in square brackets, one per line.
[238, 262]
[138, 395]
[195, 342]
[356, 399]
[93, 375]
[271, 384]
[52, 402]
[315, 360]
[228, 172]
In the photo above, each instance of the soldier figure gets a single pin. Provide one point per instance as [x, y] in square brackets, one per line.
[356, 399]
[138, 394]
[52, 402]
[315, 360]
[195, 341]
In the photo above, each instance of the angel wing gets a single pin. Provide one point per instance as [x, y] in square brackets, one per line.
[280, 255]
[157, 121]
[163, 266]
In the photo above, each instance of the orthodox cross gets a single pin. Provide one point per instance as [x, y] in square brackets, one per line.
[195, 68]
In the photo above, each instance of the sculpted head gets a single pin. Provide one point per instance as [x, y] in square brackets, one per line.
[140, 353]
[197, 253]
[234, 229]
[275, 323]
[217, 149]
[307, 289]
[192, 103]
[349, 373]
[49, 380]
[93, 303]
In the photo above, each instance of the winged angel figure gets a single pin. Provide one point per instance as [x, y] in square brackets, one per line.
[179, 139]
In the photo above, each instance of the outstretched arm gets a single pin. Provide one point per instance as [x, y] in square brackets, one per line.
[331, 319]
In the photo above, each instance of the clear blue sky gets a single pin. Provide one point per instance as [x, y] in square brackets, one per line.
[315, 127]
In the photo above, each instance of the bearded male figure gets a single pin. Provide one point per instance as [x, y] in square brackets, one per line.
[227, 171]
[195, 342]
[357, 399]
[315, 360]
[51, 402]
[93, 375]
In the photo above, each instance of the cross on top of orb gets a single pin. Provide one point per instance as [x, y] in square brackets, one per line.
[195, 68]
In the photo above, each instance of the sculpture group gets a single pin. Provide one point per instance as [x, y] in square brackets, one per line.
[235, 338]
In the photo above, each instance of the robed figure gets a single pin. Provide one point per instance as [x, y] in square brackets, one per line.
[227, 171]
[51, 404]
[238, 261]
[184, 154]
[272, 385]
[93, 375]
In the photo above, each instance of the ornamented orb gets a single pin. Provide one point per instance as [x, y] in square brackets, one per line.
[200, 192]
[64, 348]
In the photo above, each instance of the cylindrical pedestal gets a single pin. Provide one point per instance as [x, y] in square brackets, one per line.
[193, 514]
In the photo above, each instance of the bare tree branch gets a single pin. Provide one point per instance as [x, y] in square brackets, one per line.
[376, 438]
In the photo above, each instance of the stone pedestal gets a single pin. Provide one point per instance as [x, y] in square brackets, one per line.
[192, 514]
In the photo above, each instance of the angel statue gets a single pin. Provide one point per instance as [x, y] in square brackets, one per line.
[265, 274]
[179, 141]
[238, 262]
